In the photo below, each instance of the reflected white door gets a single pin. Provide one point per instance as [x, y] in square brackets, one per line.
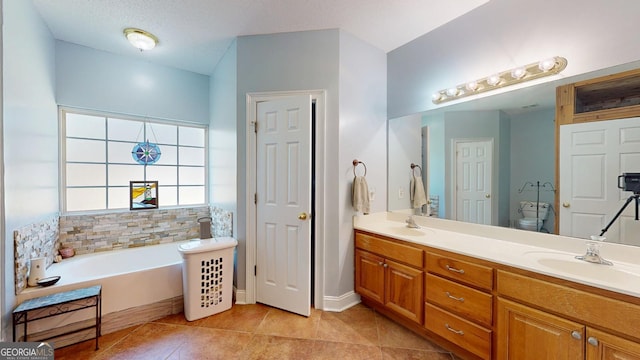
[473, 166]
[592, 155]
[283, 262]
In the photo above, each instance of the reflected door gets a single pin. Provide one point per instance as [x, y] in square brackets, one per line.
[283, 270]
[592, 155]
[473, 164]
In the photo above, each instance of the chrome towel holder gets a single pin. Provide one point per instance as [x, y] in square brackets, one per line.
[356, 162]
[413, 167]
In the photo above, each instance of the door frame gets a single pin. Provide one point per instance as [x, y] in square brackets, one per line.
[454, 175]
[252, 99]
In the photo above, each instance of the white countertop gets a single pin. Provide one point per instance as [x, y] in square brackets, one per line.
[546, 254]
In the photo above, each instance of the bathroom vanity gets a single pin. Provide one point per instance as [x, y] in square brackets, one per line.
[497, 293]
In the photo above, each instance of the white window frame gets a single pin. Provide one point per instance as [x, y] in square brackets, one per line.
[62, 111]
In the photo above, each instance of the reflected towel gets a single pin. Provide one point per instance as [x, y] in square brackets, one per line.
[418, 197]
[360, 195]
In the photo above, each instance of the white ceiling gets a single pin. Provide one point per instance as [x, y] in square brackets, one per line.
[194, 34]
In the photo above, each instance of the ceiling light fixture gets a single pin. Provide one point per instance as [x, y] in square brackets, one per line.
[547, 67]
[141, 39]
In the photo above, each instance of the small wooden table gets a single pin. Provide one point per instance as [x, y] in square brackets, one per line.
[57, 304]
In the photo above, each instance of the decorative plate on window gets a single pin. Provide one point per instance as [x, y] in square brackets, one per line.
[146, 153]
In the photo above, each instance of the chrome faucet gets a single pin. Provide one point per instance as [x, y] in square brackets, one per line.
[593, 252]
[411, 223]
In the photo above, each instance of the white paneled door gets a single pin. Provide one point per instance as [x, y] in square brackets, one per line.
[592, 156]
[283, 204]
[473, 164]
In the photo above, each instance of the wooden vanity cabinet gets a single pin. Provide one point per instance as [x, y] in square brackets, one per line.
[459, 303]
[390, 274]
[544, 320]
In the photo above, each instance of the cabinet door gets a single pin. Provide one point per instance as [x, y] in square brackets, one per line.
[370, 275]
[525, 333]
[603, 346]
[404, 290]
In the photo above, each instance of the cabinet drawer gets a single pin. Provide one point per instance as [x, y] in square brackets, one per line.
[463, 333]
[391, 250]
[459, 270]
[576, 304]
[465, 301]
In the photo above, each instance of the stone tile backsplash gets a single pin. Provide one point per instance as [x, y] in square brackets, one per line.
[32, 241]
[105, 232]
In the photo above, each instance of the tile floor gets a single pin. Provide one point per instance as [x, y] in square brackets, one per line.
[261, 332]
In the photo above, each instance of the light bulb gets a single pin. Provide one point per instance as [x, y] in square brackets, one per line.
[518, 73]
[494, 80]
[451, 92]
[472, 86]
[547, 64]
[436, 96]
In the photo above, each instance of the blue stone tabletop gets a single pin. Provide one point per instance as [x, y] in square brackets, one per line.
[59, 298]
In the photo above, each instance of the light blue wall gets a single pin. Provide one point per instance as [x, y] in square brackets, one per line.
[503, 34]
[532, 159]
[404, 147]
[98, 80]
[482, 125]
[279, 62]
[223, 151]
[30, 125]
[437, 159]
[363, 133]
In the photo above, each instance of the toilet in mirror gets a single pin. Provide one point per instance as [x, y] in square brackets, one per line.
[534, 214]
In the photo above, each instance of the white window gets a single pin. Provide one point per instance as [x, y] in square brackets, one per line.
[97, 161]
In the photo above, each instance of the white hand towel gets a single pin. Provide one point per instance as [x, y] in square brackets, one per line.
[360, 193]
[418, 197]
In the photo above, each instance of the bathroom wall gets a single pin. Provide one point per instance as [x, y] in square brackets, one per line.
[223, 139]
[363, 133]
[487, 125]
[405, 144]
[288, 61]
[30, 133]
[532, 159]
[354, 77]
[436, 171]
[477, 44]
[98, 80]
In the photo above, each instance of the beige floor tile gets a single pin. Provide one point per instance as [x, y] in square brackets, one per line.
[209, 344]
[149, 341]
[412, 354]
[394, 335]
[356, 325]
[266, 347]
[239, 318]
[282, 323]
[86, 349]
[328, 350]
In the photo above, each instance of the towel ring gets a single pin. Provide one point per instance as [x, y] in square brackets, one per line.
[355, 164]
[413, 167]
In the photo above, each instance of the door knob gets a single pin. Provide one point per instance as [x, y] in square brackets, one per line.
[303, 216]
[566, 204]
[487, 196]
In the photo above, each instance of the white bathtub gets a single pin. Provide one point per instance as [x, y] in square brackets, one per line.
[129, 278]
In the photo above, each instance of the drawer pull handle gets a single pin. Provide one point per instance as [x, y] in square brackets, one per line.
[593, 341]
[576, 335]
[459, 332]
[461, 299]
[459, 271]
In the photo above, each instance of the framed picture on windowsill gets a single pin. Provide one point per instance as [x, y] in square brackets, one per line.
[143, 195]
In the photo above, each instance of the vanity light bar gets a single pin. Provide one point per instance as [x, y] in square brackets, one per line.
[520, 74]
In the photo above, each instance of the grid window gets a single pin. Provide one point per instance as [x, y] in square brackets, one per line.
[97, 163]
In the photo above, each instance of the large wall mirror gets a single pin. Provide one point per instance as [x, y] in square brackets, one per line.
[511, 135]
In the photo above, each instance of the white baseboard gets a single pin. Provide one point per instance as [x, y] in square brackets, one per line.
[240, 296]
[340, 303]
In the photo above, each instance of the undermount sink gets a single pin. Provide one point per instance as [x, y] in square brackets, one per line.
[567, 263]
